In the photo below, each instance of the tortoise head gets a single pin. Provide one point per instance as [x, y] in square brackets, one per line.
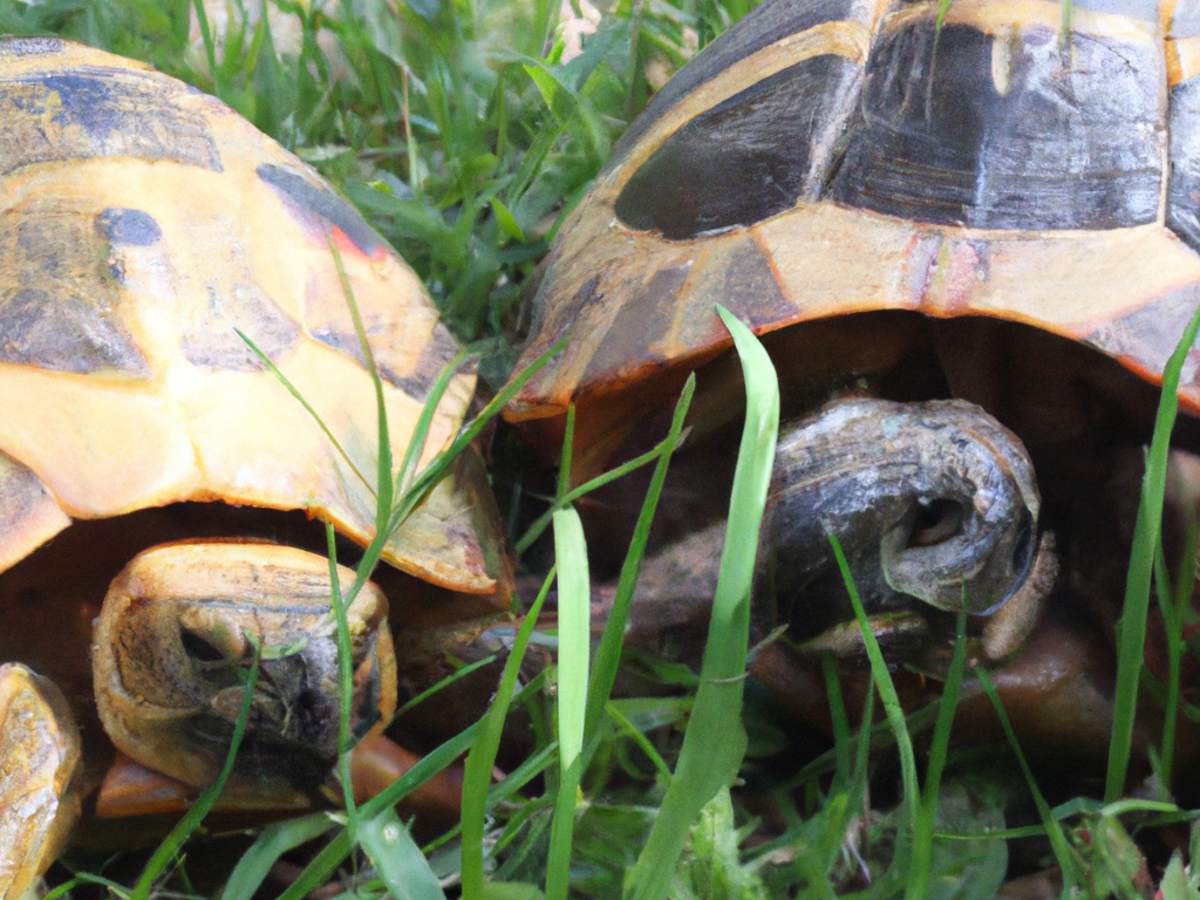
[174, 643]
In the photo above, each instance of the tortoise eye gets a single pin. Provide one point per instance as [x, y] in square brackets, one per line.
[200, 648]
[937, 521]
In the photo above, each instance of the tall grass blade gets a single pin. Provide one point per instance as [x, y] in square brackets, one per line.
[608, 653]
[887, 691]
[1146, 536]
[715, 740]
[922, 856]
[174, 841]
[574, 632]
[272, 842]
[477, 772]
[1054, 831]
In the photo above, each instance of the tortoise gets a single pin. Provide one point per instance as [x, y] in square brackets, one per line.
[968, 235]
[144, 225]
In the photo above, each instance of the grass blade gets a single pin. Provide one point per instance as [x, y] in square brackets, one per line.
[477, 772]
[926, 820]
[715, 740]
[325, 863]
[173, 843]
[1054, 831]
[891, 701]
[608, 653]
[398, 859]
[1141, 564]
[275, 840]
[574, 633]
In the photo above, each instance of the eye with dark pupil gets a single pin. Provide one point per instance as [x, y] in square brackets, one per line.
[937, 521]
[199, 647]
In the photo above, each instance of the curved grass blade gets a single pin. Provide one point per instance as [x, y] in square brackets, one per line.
[1053, 830]
[1146, 535]
[397, 858]
[715, 740]
[608, 653]
[326, 862]
[272, 842]
[477, 772]
[891, 700]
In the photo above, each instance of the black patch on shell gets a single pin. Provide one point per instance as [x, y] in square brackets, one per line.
[438, 353]
[58, 296]
[20, 493]
[744, 282]
[322, 203]
[128, 226]
[1148, 336]
[30, 46]
[1185, 21]
[769, 22]
[645, 319]
[211, 342]
[746, 159]
[1067, 140]
[88, 112]
[61, 334]
[1183, 187]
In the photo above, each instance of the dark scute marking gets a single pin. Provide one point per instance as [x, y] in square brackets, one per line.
[745, 283]
[212, 343]
[1147, 336]
[1073, 144]
[63, 334]
[20, 492]
[746, 159]
[128, 226]
[30, 46]
[59, 303]
[645, 318]
[323, 203]
[89, 112]
[438, 353]
[1183, 186]
[769, 22]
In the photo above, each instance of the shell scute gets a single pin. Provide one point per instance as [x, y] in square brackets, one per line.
[82, 114]
[59, 295]
[125, 383]
[981, 166]
[1005, 130]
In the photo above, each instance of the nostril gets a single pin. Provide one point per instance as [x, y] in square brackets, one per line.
[936, 521]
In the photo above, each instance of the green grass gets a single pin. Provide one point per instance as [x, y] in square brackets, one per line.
[458, 129]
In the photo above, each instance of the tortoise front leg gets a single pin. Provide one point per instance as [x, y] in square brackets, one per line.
[39, 754]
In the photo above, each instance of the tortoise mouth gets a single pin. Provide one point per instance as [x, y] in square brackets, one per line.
[261, 756]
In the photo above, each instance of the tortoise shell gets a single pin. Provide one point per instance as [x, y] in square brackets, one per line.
[828, 157]
[143, 225]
